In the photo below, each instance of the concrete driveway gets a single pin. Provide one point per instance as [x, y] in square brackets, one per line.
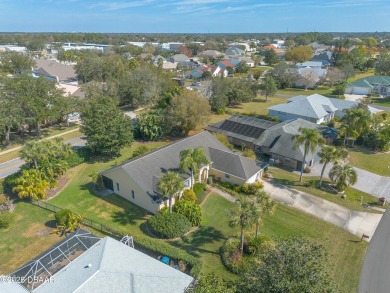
[355, 222]
[376, 185]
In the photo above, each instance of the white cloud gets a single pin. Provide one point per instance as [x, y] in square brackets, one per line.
[121, 5]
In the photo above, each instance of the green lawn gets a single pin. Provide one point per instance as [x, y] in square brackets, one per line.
[27, 237]
[381, 101]
[321, 90]
[309, 185]
[376, 163]
[346, 252]
[258, 106]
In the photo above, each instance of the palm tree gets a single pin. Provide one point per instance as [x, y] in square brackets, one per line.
[31, 184]
[355, 122]
[33, 152]
[330, 154]
[192, 160]
[343, 176]
[310, 139]
[244, 216]
[264, 206]
[169, 185]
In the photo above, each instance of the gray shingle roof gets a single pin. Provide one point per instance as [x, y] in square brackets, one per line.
[278, 138]
[53, 68]
[146, 170]
[116, 267]
[306, 106]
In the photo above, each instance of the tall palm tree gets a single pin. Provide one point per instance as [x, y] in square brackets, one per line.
[330, 154]
[343, 176]
[264, 206]
[31, 185]
[243, 217]
[169, 185]
[192, 160]
[355, 121]
[310, 139]
[33, 152]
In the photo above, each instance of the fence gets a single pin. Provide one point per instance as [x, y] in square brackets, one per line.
[87, 222]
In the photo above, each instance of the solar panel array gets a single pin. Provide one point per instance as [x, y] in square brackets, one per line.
[245, 125]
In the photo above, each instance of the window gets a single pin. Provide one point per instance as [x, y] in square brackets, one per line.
[287, 160]
[227, 176]
[132, 194]
[117, 186]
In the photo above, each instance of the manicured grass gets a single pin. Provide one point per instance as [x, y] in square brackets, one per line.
[27, 237]
[362, 75]
[376, 163]
[321, 90]
[381, 101]
[258, 106]
[310, 186]
[346, 252]
[207, 240]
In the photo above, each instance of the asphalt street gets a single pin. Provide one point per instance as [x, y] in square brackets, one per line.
[13, 166]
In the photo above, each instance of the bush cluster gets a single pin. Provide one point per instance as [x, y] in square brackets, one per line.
[62, 216]
[166, 225]
[231, 255]
[307, 170]
[190, 210]
[251, 188]
[200, 191]
[78, 157]
[235, 190]
[189, 195]
[6, 218]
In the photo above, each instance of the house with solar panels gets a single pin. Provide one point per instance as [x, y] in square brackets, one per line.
[271, 138]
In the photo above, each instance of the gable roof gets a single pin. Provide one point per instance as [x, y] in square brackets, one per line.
[179, 58]
[314, 106]
[55, 69]
[370, 81]
[147, 169]
[111, 266]
[278, 138]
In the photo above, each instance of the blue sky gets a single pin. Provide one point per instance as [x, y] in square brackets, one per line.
[194, 16]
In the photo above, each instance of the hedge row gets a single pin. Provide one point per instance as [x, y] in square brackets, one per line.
[166, 225]
[164, 248]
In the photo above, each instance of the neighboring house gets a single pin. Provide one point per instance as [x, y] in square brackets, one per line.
[178, 58]
[315, 108]
[19, 49]
[234, 52]
[82, 262]
[325, 57]
[155, 59]
[270, 138]
[309, 77]
[311, 64]
[215, 70]
[277, 142]
[248, 61]
[376, 84]
[244, 46]
[53, 70]
[211, 53]
[169, 65]
[136, 179]
[242, 130]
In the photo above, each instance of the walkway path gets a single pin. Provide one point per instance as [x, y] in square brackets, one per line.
[50, 137]
[355, 222]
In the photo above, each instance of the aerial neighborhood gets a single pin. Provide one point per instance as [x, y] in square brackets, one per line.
[200, 163]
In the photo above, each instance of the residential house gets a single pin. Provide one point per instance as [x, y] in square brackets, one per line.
[315, 108]
[242, 46]
[215, 70]
[270, 138]
[277, 43]
[178, 58]
[234, 52]
[171, 66]
[211, 53]
[82, 262]
[311, 64]
[137, 179]
[324, 56]
[248, 61]
[310, 77]
[19, 49]
[376, 84]
[53, 70]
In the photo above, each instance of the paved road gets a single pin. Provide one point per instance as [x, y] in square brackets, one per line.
[374, 184]
[13, 166]
[374, 277]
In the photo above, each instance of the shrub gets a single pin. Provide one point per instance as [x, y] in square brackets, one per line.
[210, 180]
[252, 188]
[9, 182]
[139, 151]
[258, 245]
[6, 218]
[78, 157]
[62, 216]
[169, 225]
[200, 191]
[189, 195]
[307, 170]
[190, 210]
[249, 153]
[231, 255]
